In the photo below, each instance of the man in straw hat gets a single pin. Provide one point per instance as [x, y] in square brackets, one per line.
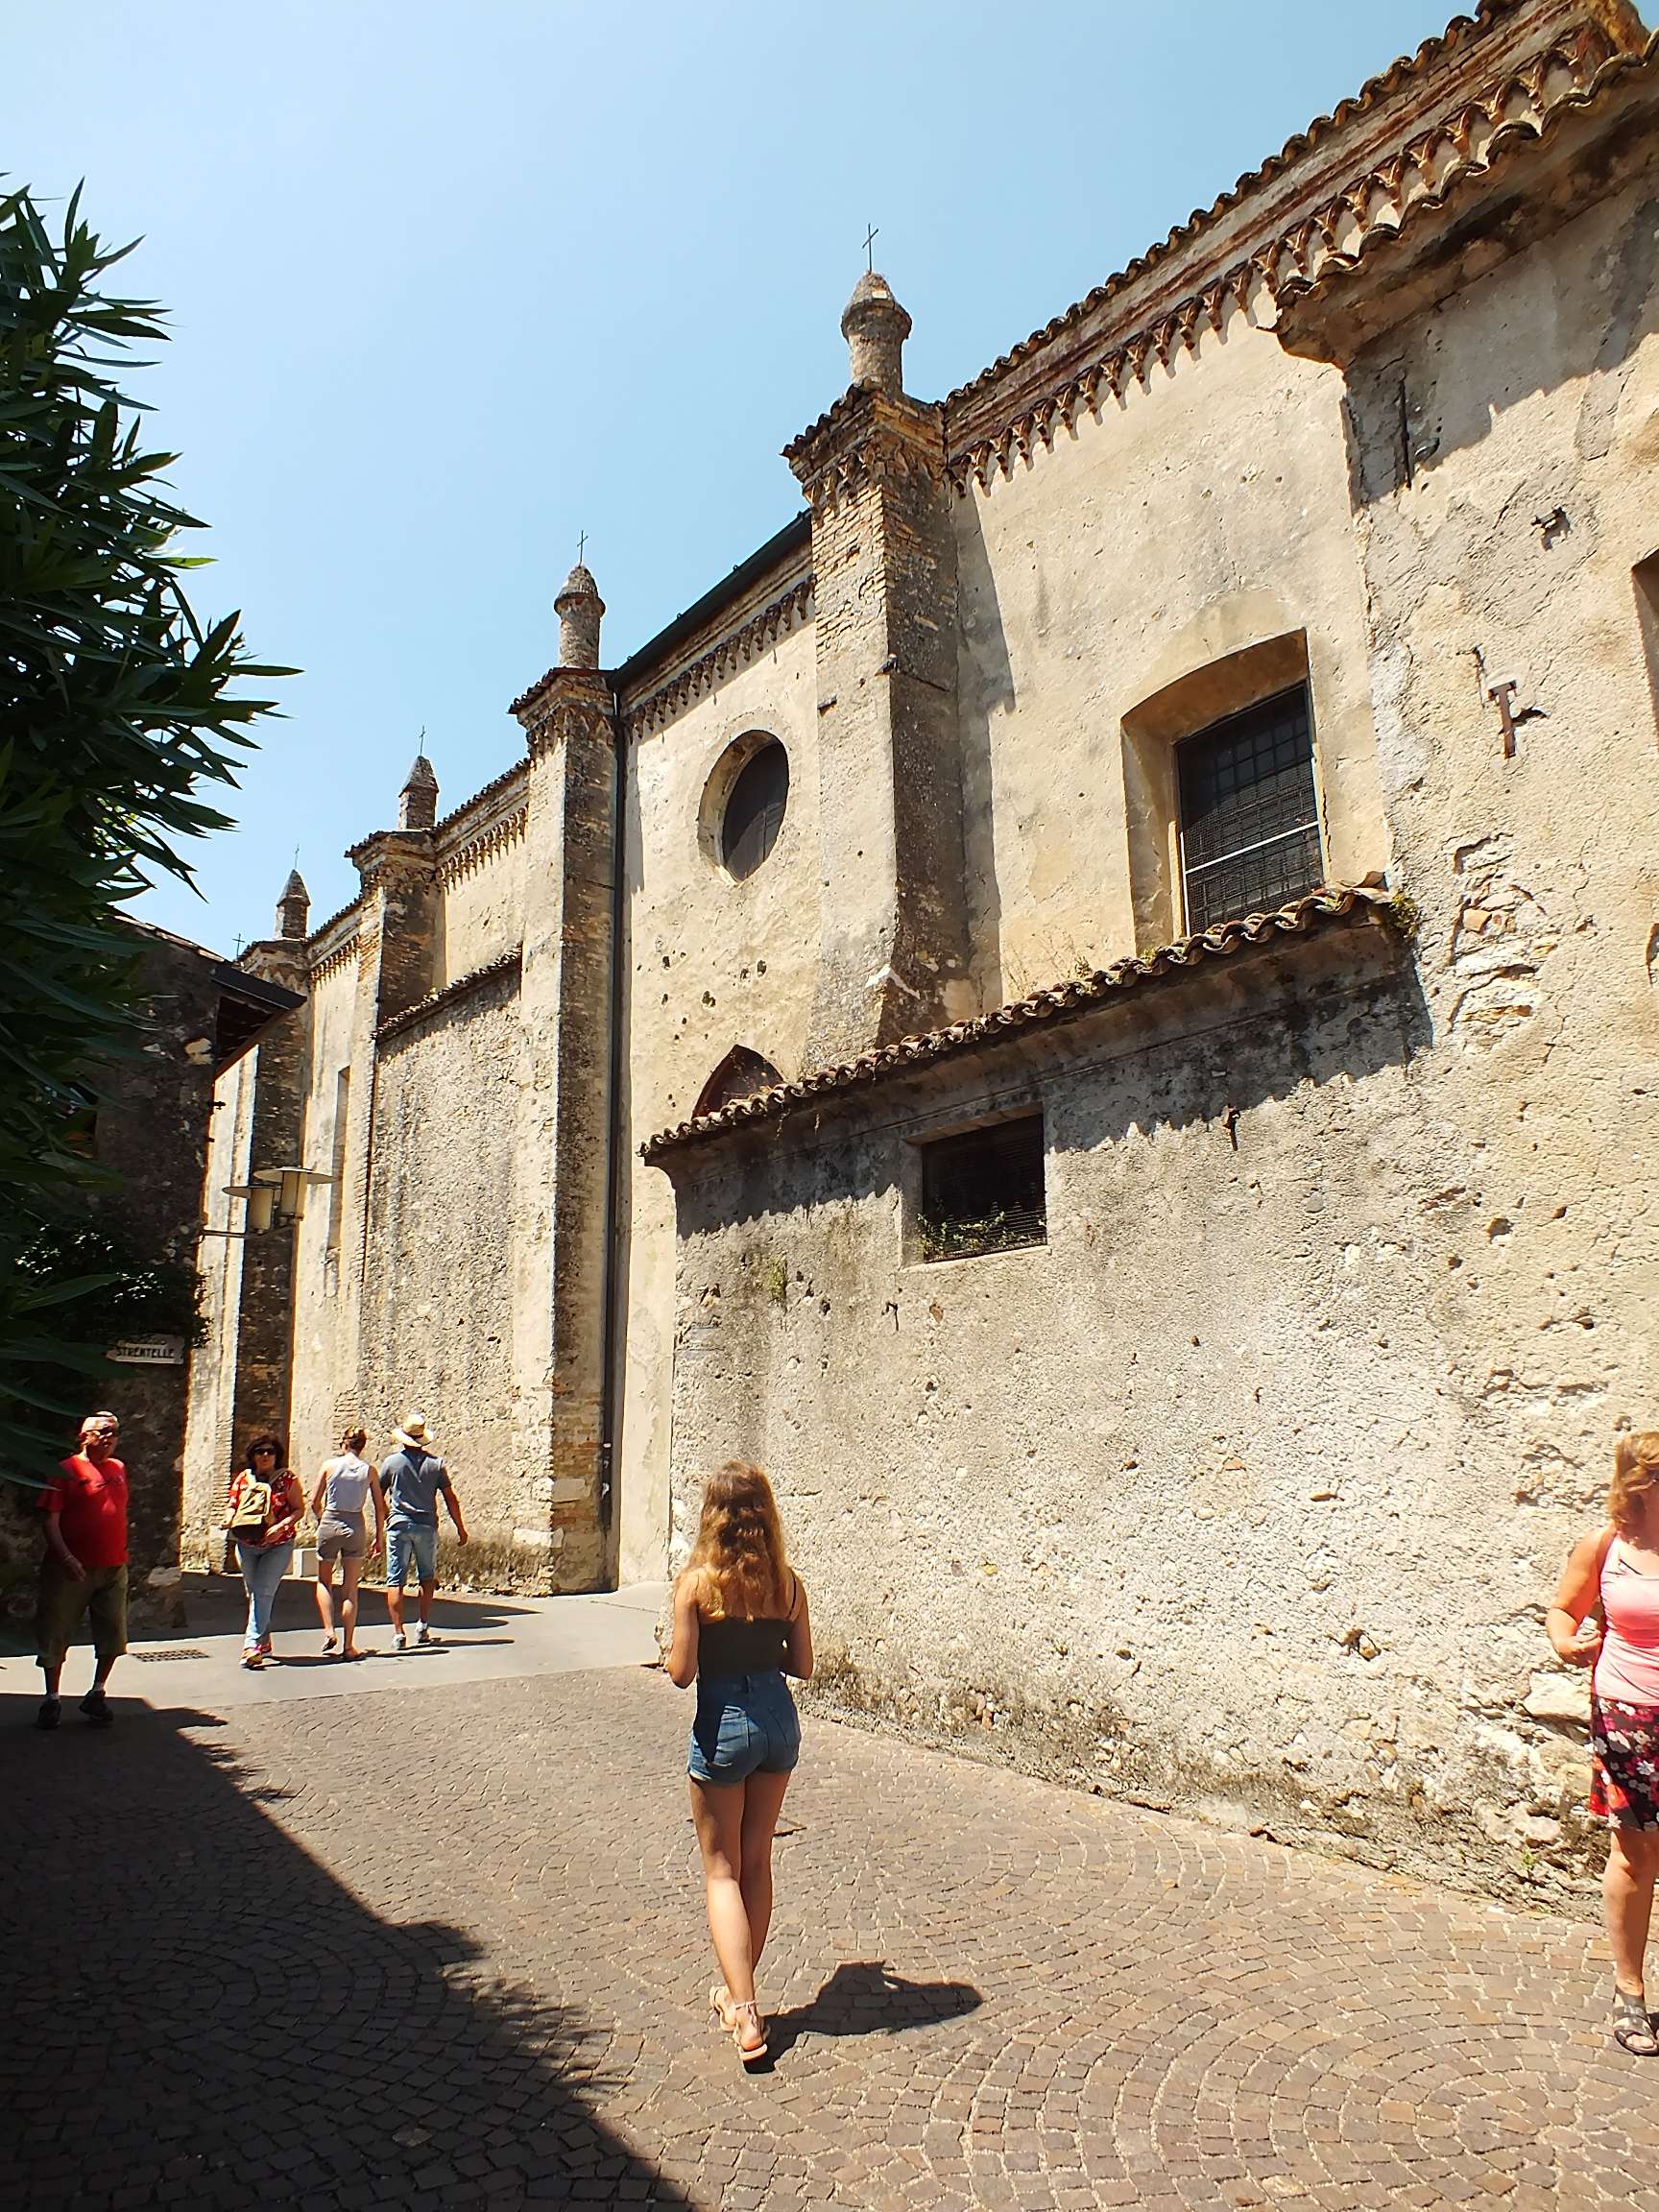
[410, 1478]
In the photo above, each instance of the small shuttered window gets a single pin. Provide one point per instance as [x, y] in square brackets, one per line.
[1249, 814]
[983, 1192]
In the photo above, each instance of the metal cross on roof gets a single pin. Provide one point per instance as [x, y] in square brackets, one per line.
[581, 546]
[870, 234]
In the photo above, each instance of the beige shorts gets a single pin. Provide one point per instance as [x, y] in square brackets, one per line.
[342, 1537]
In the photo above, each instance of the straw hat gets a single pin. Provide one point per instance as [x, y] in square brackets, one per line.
[412, 1432]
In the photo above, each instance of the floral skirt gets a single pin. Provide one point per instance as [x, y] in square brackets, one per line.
[1625, 1763]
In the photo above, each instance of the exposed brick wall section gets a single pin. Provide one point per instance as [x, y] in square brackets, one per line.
[896, 926]
[265, 1306]
[562, 1152]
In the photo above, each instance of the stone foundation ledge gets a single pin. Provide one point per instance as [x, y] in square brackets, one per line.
[1533, 1847]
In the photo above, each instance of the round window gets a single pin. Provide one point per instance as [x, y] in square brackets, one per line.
[755, 809]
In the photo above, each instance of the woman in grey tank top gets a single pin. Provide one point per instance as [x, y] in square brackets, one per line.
[345, 1488]
[740, 1627]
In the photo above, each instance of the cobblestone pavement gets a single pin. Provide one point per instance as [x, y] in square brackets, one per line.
[446, 1950]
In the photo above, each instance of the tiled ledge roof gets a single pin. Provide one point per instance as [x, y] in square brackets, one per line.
[1632, 70]
[1397, 78]
[1332, 905]
[1355, 170]
[463, 987]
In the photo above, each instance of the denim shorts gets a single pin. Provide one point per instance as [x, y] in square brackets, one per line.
[409, 1547]
[746, 1724]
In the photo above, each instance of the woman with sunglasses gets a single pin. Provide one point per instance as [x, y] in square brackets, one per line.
[263, 1514]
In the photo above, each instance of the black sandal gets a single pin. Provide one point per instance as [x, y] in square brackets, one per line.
[1632, 2029]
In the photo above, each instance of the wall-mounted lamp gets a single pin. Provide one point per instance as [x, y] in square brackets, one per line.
[261, 1206]
[276, 1198]
[286, 1187]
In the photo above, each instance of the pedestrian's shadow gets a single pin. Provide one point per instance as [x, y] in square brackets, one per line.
[865, 1997]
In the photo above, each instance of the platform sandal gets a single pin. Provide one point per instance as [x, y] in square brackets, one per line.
[1632, 2029]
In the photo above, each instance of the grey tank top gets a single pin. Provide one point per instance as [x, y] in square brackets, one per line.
[348, 1488]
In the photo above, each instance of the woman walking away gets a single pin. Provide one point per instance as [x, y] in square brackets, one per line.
[345, 1489]
[740, 1624]
[1605, 1614]
[264, 1511]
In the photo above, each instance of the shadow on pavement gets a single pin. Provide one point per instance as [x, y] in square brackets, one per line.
[217, 1604]
[864, 1997]
[205, 2016]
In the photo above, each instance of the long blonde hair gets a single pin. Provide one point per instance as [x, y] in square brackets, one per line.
[737, 1565]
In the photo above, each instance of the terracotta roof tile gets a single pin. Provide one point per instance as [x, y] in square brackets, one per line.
[1506, 142]
[1375, 89]
[1330, 904]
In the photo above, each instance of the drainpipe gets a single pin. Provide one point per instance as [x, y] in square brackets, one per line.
[615, 1165]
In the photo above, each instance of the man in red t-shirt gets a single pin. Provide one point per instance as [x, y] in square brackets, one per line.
[85, 1570]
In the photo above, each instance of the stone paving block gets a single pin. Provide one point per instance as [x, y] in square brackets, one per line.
[988, 1993]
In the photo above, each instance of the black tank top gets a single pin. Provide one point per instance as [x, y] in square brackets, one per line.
[742, 1646]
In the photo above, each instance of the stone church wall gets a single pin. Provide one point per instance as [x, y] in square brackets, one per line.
[1515, 553]
[330, 1230]
[1205, 515]
[210, 1442]
[437, 1301]
[481, 910]
[1177, 1503]
[1250, 1488]
[712, 964]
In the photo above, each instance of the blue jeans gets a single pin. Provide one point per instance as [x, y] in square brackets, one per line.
[262, 1570]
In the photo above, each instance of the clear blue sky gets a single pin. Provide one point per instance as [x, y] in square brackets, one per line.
[451, 283]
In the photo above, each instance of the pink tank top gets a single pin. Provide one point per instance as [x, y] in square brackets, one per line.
[1627, 1664]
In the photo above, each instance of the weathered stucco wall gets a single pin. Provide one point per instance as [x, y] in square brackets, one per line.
[209, 1438]
[1510, 555]
[1248, 1490]
[1187, 1503]
[1182, 1502]
[437, 1301]
[481, 907]
[711, 963]
[1193, 519]
[330, 1252]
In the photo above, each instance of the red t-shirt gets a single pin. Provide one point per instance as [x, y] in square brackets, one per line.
[92, 1502]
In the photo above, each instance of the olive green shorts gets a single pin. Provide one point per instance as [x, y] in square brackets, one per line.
[63, 1601]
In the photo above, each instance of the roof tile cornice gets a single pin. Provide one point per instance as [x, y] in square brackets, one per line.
[1350, 174]
[482, 844]
[1332, 905]
[464, 986]
[736, 650]
[332, 944]
[1534, 111]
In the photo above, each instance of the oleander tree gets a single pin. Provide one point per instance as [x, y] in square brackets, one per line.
[119, 708]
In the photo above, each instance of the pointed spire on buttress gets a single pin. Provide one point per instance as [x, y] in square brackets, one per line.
[418, 801]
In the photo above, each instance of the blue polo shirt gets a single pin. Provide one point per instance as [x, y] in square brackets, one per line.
[410, 1481]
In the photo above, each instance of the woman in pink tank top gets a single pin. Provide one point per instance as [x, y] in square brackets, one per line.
[1605, 1615]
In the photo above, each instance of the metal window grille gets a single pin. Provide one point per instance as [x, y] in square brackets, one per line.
[983, 1192]
[755, 810]
[1249, 815]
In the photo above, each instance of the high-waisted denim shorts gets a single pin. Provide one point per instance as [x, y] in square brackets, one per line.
[746, 1724]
